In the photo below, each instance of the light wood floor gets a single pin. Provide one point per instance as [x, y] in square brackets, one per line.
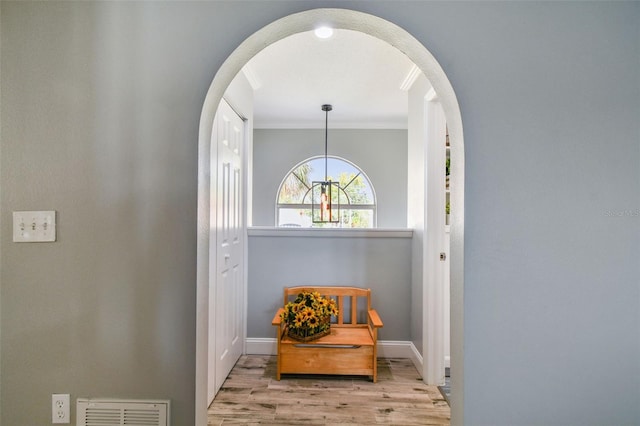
[251, 395]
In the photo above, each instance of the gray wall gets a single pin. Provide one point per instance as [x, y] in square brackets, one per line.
[381, 154]
[99, 121]
[381, 264]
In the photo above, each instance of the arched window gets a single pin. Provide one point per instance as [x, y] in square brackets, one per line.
[357, 197]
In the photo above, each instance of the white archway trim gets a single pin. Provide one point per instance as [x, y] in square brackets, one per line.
[406, 43]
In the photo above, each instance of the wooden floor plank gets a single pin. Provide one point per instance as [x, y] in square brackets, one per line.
[252, 396]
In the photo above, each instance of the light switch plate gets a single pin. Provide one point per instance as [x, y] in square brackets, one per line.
[34, 226]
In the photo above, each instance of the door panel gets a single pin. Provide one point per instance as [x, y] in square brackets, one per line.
[227, 286]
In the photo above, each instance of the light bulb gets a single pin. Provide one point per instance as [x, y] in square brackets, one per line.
[323, 32]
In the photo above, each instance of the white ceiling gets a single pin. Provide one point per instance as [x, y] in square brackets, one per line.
[364, 78]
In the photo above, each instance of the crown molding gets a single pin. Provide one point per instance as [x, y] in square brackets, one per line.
[411, 78]
[252, 76]
[381, 125]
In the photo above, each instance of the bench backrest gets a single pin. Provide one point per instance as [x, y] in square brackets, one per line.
[353, 301]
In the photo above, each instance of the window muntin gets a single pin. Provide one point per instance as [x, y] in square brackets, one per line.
[357, 197]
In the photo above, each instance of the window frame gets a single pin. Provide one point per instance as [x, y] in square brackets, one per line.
[367, 207]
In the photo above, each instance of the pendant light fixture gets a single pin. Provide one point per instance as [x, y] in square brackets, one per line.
[325, 195]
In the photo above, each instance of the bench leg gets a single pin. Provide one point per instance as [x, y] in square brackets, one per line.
[278, 337]
[278, 366]
[375, 363]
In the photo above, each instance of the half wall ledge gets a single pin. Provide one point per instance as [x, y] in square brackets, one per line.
[272, 231]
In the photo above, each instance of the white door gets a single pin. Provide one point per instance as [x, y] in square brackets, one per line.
[434, 324]
[226, 289]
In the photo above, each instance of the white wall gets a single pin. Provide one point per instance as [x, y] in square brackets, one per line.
[100, 105]
[381, 154]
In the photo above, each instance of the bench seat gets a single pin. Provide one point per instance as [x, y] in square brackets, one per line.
[350, 348]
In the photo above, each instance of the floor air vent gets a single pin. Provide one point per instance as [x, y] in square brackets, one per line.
[122, 412]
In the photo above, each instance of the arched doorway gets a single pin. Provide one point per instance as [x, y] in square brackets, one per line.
[405, 42]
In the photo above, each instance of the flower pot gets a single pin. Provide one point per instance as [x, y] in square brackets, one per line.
[306, 334]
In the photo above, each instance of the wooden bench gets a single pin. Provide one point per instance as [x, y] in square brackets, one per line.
[350, 349]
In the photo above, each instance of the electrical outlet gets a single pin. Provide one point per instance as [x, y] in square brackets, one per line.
[60, 411]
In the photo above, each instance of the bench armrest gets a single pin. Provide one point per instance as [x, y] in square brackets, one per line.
[276, 319]
[375, 318]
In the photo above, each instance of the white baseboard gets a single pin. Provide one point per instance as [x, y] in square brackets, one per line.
[417, 359]
[261, 346]
[386, 349]
[395, 349]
